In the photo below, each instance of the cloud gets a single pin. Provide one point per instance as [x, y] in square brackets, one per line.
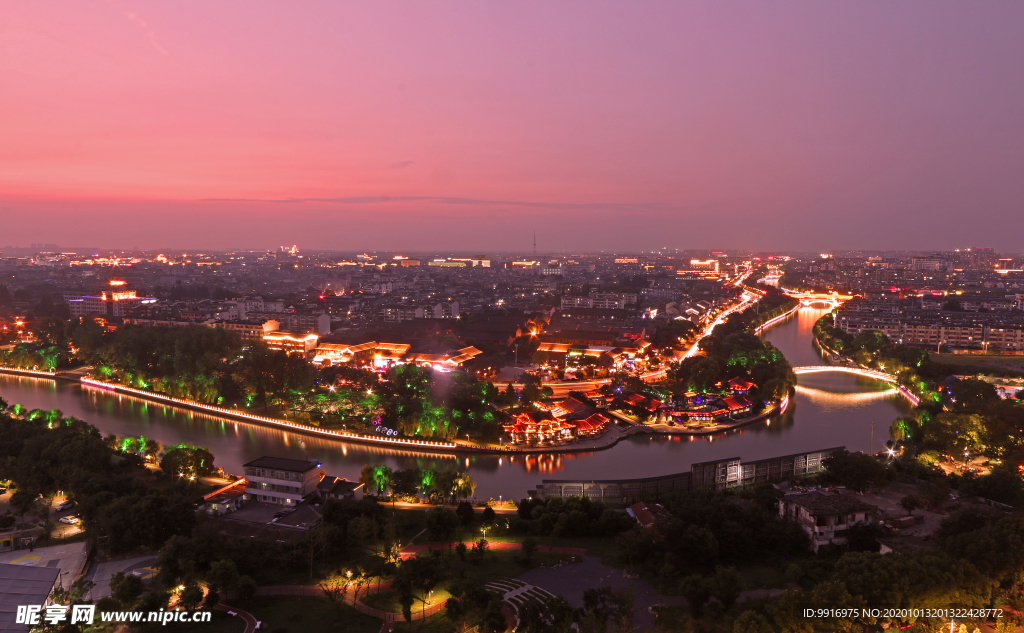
[618, 207]
[402, 164]
[139, 22]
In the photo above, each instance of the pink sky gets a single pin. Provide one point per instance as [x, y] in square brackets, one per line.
[467, 125]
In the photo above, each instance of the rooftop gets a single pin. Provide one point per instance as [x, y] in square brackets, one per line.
[281, 463]
[823, 503]
[23, 585]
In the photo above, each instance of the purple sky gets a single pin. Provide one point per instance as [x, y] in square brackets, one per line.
[467, 125]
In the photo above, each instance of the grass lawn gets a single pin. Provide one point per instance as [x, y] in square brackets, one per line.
[761, 577]
[388, 600]
[437, 623]
[304, 614]
[982, 362]
[495, 564]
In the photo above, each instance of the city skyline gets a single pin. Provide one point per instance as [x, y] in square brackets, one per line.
[343, 127]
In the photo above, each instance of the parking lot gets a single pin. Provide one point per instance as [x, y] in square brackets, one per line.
[255, 512]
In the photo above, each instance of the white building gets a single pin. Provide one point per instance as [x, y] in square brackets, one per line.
[279, 480]
[825, 516]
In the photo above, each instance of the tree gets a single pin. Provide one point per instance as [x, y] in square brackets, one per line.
[126, 588]
[752, 622]
[697, 591]
[488, 515]
[479, 549]
[863, 537]
[853, 470]
[376, 479]
[603, 604]
[454, 609]
[465, 512]
[494, 618]
[188, 462]
[154, 600]
[910, 503]
[726, 586]
[421, 573]
[441, 523]
[464, 486]
[245, 588]
[1002, 484]
[190, 597]
[405, 483]
[223, 575]
[529, 549]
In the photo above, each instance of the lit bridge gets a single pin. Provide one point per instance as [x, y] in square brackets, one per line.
[857, 371]
[833, 299]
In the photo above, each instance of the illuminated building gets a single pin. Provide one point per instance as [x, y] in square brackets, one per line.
[382, 355]
[700, 268]
[608, 301]
[281, 481]
[566, 421]
[111, 303]
[302, 344]
[246, 329]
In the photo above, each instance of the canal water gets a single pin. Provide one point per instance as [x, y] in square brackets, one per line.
[828, 410]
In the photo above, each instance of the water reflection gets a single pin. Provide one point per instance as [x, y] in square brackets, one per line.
[827, 410]
[842, 398]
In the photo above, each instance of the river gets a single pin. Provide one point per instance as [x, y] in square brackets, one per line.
[828, 410]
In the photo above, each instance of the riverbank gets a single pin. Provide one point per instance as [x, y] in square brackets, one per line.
[612, 435]
[903, 391]
[243, 416]
[31, 373]
[608, 439]
[664, 429]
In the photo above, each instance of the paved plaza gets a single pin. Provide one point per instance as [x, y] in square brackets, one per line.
[572, 579]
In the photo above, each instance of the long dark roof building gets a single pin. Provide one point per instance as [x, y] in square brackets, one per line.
[22, 585]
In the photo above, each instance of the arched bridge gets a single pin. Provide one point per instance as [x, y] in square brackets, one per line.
[833, 299]
[867, 373]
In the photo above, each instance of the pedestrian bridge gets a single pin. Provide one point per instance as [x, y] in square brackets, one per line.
[832, 299]
[867, 373]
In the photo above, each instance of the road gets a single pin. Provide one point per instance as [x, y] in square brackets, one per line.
[101, 573]
[561, 389]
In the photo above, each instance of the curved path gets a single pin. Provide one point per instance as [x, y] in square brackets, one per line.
[250, 620]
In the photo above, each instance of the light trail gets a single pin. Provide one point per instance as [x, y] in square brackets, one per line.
[747, 300]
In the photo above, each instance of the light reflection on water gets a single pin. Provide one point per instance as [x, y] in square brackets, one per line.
[828, 410]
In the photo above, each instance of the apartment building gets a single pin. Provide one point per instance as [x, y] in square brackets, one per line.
[825, 516]
[280, 480]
